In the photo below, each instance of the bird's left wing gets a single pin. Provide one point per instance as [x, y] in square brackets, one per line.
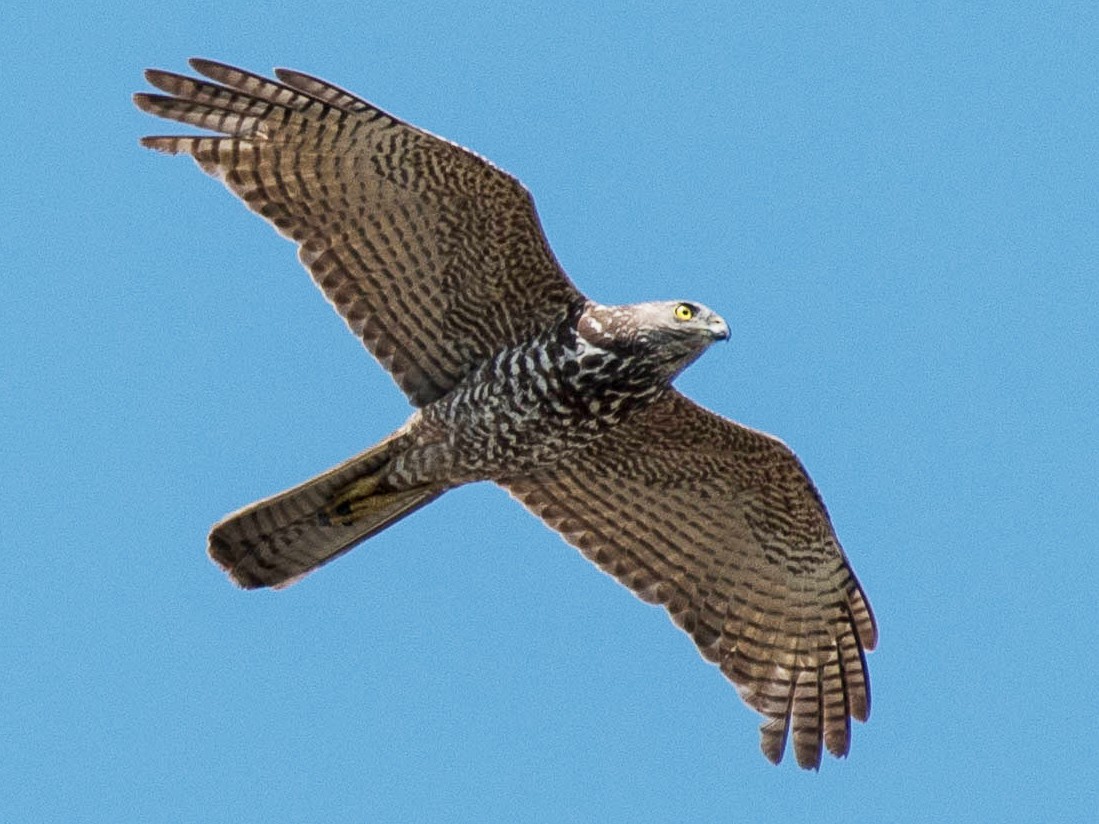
[434, 257]
[721, 525]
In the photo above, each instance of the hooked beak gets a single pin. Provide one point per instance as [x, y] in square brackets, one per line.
[719, 328]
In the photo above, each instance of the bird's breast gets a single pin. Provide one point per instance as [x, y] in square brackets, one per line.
[528, 406]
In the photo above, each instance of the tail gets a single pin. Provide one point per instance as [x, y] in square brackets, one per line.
[276, 541]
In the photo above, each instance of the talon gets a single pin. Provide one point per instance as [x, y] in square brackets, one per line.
[352, 502]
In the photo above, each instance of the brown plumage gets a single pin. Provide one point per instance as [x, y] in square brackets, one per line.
[436, 260]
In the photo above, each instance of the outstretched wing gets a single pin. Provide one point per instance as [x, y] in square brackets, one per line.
[432, 255]
[721, 525]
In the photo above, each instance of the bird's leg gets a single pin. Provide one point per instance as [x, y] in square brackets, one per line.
[364, 498]
[352, 502]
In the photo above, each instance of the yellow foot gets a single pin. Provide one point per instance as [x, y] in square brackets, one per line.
[354, 502]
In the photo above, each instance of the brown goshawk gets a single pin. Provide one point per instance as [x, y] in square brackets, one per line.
[435, 258]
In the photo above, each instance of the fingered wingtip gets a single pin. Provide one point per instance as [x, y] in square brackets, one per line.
[165, 144]
[203, 65]
[142, 100]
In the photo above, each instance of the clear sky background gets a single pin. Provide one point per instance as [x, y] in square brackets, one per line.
[895, 208]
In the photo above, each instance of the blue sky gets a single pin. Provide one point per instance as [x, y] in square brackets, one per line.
[896, 211]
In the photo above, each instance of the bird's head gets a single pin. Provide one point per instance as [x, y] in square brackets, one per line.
[668, 335]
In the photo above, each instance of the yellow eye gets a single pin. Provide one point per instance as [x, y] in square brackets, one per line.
[684, 311]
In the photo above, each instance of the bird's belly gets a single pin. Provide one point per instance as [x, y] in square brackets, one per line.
[515, 415]
[521, 438]
[486, 439]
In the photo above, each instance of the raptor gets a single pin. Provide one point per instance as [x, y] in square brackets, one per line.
[436, 259]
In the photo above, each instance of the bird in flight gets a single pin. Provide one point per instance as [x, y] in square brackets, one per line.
[436, 260]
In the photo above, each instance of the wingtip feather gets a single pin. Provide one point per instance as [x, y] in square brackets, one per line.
[162, 143]
[208, 67]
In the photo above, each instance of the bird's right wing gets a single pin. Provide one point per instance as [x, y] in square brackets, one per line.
[432, 255]
[721, 525]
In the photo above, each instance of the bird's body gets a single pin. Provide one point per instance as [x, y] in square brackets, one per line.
[529, 405]
[436, 260]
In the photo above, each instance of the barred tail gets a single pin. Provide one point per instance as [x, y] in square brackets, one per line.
[276, 541]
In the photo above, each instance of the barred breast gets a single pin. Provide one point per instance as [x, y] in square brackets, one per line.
[524, 409]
